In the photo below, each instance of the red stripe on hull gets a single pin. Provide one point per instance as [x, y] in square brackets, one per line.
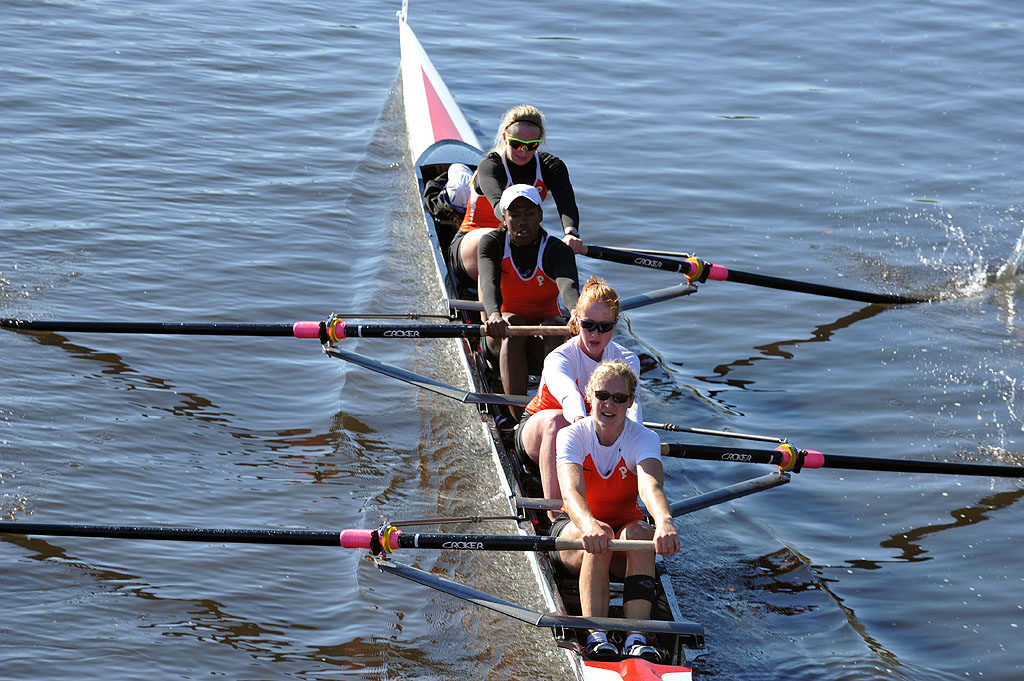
[635, 669]
[440, 120]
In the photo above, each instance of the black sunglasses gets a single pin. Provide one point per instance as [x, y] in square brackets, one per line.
[600, 327]
[620, 398]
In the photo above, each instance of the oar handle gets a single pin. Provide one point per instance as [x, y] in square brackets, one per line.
[539, 331]
[613, 545]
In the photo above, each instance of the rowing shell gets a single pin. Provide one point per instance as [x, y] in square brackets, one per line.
[440, 135]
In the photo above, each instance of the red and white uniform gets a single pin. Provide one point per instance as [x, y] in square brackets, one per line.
[480, 212]
[534, 298]
[566, 372]
[609, 473]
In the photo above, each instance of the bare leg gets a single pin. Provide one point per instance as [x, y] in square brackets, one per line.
[512, 361]
[539, 436]
[511, 354]
[467, 250]
[593, 570]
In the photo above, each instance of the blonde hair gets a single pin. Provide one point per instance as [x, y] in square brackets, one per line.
[596, 290]
[523, 113]
[611, 368]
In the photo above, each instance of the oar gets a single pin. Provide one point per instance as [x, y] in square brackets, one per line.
[386, 540]
[685, 506]
[333, 329]
[696, 269]
[392, 540]
[425, 382]
[718, 433]
[690, 633]
[789, 458]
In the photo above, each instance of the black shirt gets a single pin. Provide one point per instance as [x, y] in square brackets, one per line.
[558, 261]
[491, 181]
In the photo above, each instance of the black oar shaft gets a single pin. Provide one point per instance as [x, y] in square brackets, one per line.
[867, 463]
[814, 459]
[475, 542]
[349, 539]
[335, 329]
[183, 328]
[623, 257]
[781, 284]
[198, 534]
[719, 273]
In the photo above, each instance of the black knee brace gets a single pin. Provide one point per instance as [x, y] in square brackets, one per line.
[638, 587]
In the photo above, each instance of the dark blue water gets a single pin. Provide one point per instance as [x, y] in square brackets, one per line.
[186, 161]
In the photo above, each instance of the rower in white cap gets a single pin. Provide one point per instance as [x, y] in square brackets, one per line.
[523, 273]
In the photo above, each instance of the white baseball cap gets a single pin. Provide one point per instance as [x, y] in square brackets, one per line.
[516, 191]
[457, 188]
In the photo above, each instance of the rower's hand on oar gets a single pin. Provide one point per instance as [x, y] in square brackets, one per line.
[573, 242]
[496, 326]
[596, 535]
[666, 539]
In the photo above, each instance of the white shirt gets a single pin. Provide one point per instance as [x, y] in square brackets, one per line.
[567, 369]
[636, 443]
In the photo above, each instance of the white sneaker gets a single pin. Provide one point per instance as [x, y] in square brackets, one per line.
[645, 652]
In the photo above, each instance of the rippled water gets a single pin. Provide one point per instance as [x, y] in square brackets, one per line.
[185, 161]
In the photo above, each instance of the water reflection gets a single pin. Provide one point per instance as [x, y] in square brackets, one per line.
[909, 542]
[821, 334]
[786, 583]
[191, 405]
[303, 450]
[266, 638]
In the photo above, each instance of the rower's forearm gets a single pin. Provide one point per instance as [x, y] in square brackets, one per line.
[657, 504]
[568, 290]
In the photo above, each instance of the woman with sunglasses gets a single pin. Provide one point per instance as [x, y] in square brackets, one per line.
[560, 400]
[514, 159]
[604, 462]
